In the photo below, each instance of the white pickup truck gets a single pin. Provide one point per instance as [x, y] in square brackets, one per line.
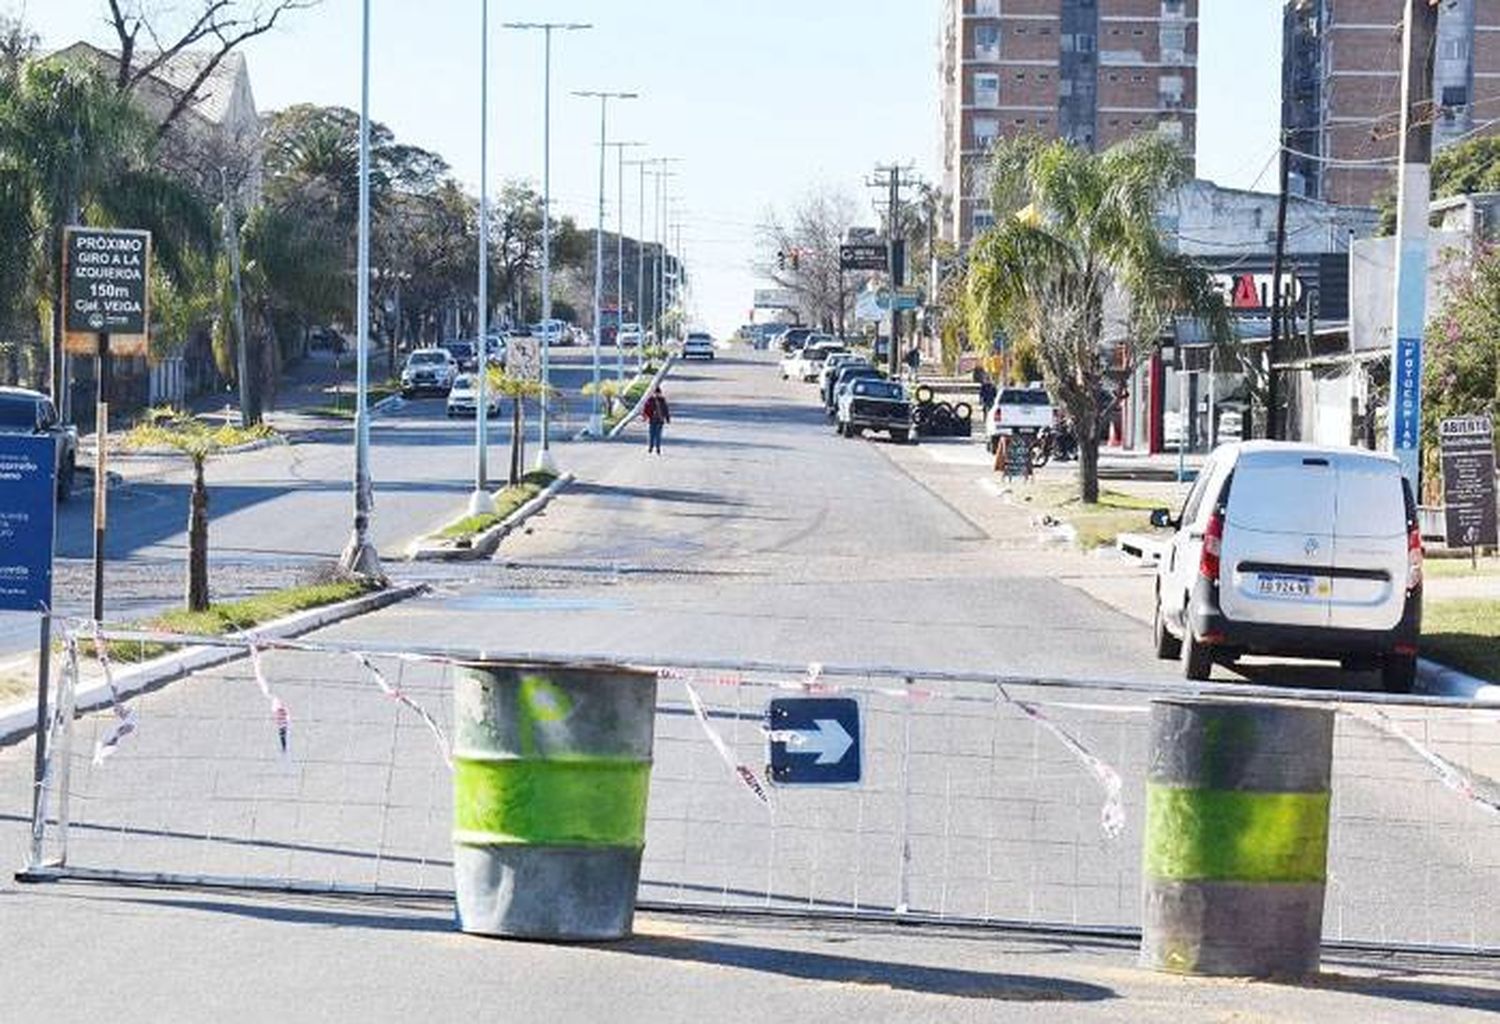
[1018, 409]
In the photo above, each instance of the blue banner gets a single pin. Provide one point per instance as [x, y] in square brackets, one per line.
[1406, 397]
[28, 506]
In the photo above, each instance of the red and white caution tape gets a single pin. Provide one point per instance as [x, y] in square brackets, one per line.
[398, 695]
[1479, 789]
[281, 716]
[742, 772]
[1112, 814]
[125, 719]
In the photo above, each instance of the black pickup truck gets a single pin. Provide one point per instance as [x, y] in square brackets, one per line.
[870, 404]
[23, 411]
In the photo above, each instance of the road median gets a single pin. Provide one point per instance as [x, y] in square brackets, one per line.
[468, 538]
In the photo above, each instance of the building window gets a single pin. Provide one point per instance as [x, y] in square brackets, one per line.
[1137, 31]
[1113, 77]
[1137, 78]
[986, 89]
[987, 42]
[1173, 130]
[1173, 41]
[1044, 31]
[987, 8]
[1084, 43]
[983, 220]
[1172, 9]
[1455, 95]
[1170, 87]
[1065, 87]
[986, 130]
[1020, 76]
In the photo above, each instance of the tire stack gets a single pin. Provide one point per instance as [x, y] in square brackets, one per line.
[941, 419]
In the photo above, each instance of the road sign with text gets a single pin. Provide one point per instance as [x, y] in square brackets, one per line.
[863, 256]
[106, 289]
[1468, 447]
[815, 741]
[28, 502]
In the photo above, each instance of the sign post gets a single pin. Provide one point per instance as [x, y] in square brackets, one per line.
[1468, 448]
[28, 507]
[106, 298]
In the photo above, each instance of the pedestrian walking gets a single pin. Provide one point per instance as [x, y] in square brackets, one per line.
[658, 414]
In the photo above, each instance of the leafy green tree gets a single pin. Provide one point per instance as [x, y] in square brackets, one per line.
[1461, 354]
[1469, 166]
[1075, 266]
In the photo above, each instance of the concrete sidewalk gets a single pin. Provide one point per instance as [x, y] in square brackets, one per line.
[85, 953]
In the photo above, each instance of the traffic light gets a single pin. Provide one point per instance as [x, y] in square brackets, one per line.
[781, 259]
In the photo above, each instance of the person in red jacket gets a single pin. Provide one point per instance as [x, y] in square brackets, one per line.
[657, 414]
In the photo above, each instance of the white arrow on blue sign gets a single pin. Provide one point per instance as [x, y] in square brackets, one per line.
[814, 741]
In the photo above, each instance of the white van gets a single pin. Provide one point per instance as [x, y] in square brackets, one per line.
[1292, 549]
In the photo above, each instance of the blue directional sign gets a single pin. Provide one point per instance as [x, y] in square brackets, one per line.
[1406, 401]
[28, 501]
[814, 741]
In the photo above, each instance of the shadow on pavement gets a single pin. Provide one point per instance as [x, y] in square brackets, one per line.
[1394, 986]
[667, 494]
[378, 919]
[799, 963]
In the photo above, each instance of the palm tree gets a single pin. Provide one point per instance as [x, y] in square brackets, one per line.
[1075, 267]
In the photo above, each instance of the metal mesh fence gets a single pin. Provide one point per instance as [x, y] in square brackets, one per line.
[312, 767]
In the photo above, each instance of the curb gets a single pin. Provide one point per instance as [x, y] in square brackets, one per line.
[1442, 681]
[18, 720]
[484, 544]
[173, 453]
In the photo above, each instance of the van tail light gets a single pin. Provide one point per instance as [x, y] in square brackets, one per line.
[1213, 544]
[997, 413]
[1413, 558]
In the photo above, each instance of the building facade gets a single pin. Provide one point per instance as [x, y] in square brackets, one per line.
[1341, 76]
[1093, 72]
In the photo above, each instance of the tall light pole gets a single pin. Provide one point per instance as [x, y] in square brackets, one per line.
[661, 247]
[544, 454]
[481, 502]
[620, 148]
[596, 419]
[360, 557]
[640, 267]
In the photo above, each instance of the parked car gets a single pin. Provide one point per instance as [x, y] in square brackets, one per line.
[551, 332]
[850, 370]
[23, 411]
[428, 370]
[869, 404]
[463, 397]
[1018, 409]
[831, 364]
[697, 345]
[465, 354]
[1293, 549]
[818, 348]
[629, 336]
[793, 338]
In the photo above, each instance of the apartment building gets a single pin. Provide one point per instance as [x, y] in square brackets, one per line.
[1093, 72]
[1341, 75]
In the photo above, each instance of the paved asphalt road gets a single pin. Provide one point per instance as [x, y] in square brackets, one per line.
[758, 534]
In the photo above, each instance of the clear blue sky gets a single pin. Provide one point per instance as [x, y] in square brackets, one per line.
[762, 100]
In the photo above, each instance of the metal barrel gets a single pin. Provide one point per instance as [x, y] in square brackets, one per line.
[551, 770]
[1236, 844]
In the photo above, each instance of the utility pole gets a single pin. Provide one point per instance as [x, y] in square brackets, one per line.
[1274, 423]
[640, 268]
[1413, 195]
[544, 454]
[480, 501]
[892, 182]
[232, 243]
[620, 148]
[596, 419]
[360, 557]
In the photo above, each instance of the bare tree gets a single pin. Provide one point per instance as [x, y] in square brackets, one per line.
[214, 28]
[801, 254]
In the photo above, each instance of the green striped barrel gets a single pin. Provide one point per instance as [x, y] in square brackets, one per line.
[551, 770]
[1236, 846]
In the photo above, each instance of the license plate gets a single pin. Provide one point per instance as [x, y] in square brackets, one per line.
[1286, 586]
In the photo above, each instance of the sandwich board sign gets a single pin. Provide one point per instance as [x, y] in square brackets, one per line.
[1468, 450]
[28, 505]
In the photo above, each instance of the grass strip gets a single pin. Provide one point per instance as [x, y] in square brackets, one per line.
[507, 500]
[1464, 634]
[233, 616]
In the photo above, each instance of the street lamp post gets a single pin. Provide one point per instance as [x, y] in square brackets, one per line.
[481, 502]
[544, 459]
[360, 557]
[640, 268]
[620, 148]
[596, 419]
